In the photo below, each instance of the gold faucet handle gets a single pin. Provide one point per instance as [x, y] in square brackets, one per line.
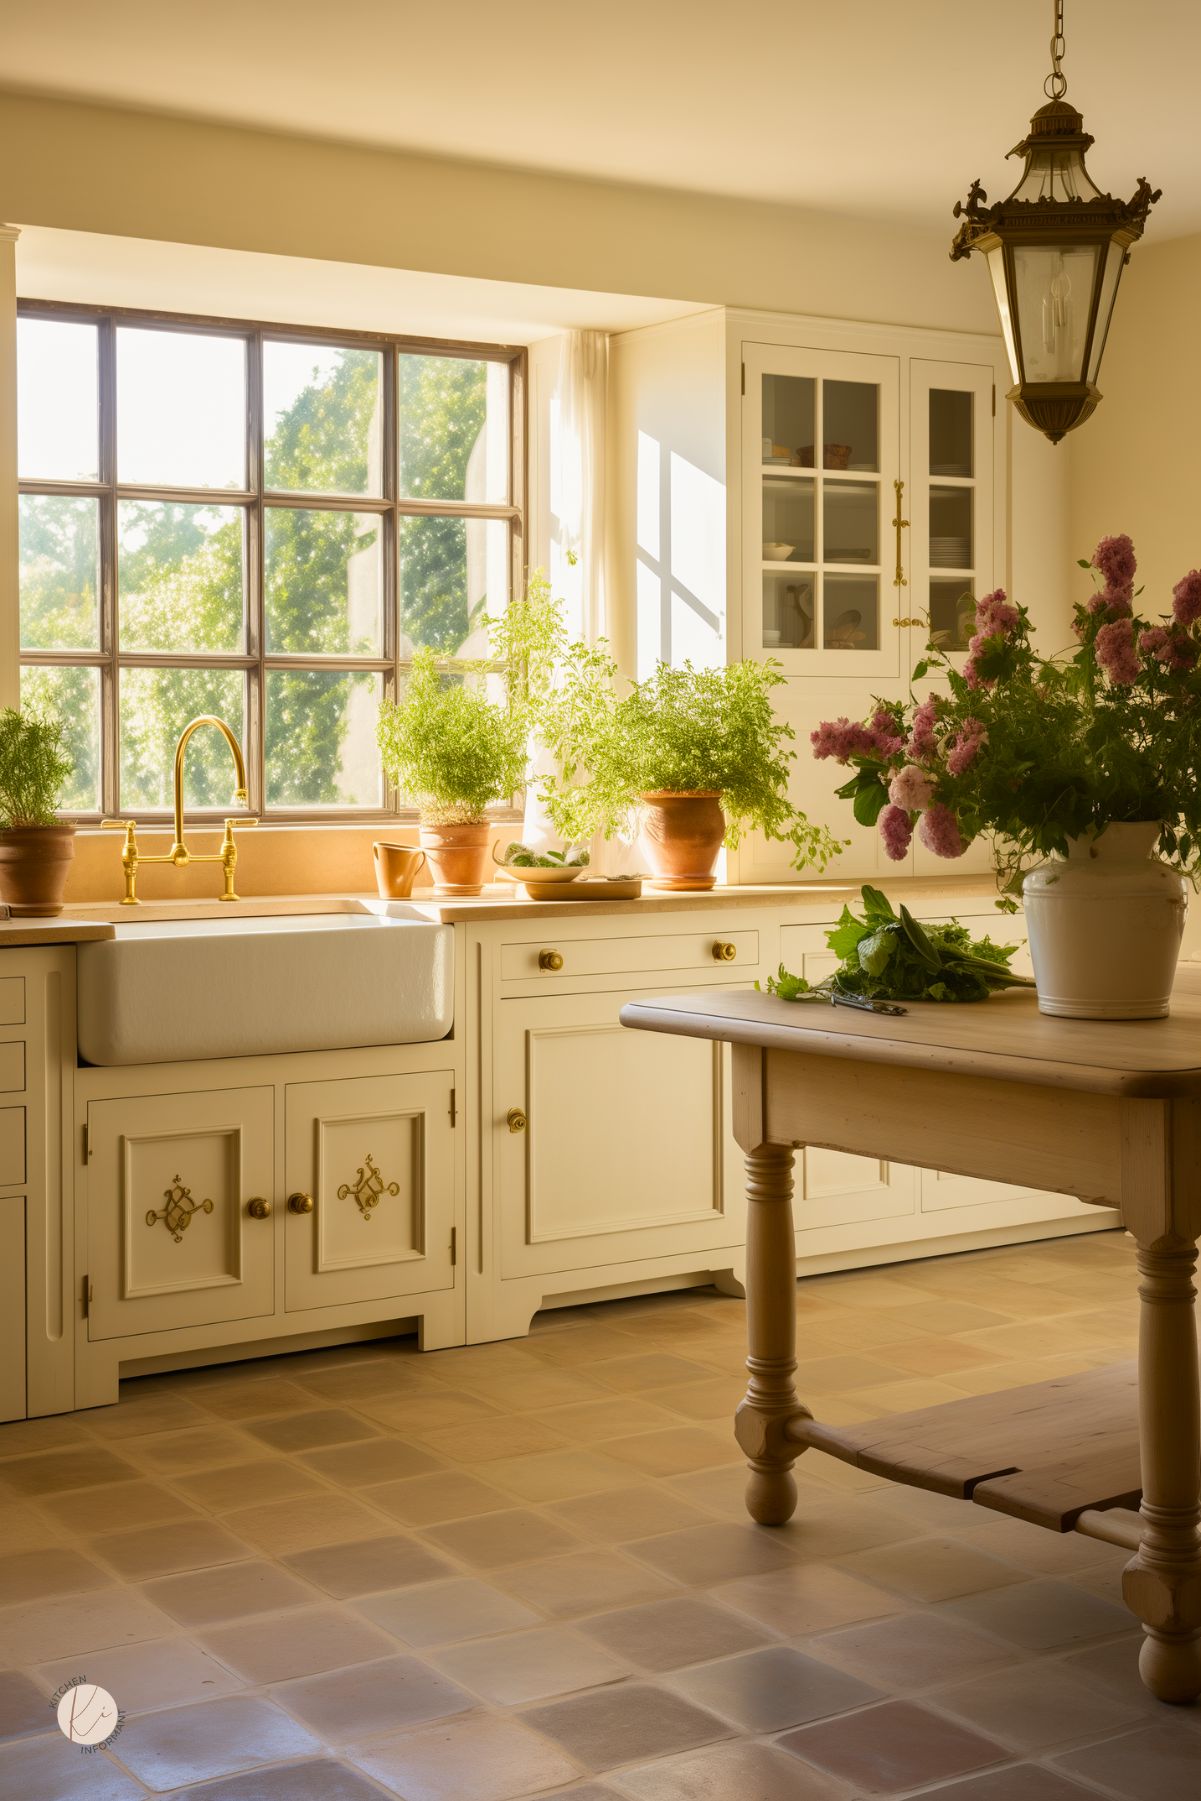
[128, 826]
[129, 856]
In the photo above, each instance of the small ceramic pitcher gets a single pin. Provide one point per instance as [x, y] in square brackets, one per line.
[396, 868]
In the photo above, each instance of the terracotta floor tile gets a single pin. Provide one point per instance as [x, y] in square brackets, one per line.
[625, 1723]
[1043, 1616]
[18, 1438]
[162, 1672]
[232, 1591]
[1160, 1762]
[239, 1485]
[431, 1409]
[666, 1635]
[929, 1356]
[302, 1522]
[188, 1744]
[254, 1400]
[932, 1569]
[444, 1613]
[385, 1380]
[495, 1539]
[43, 1768]
[640, 1374]
[41, 1575]
[162, 1550]
[715, 1399]
[371, 1460]
[316, 1779]
[771, 1689]
[583, 1582]
[623, 1514]
[477, 1759]
[442, 1495]
[163, 1412]
[884, 1750]
[41, 1631]
[23, 1709]
[558, 1475]
[914, 1650]
[301, 1642]
[675, 1450]
[28, 1526]
[521, 1667]
[807, 1598]
[483, 1440]
[1037, 1705]
[308, 1431]
[368, 1565]
[119, 1506]
[739, 1772]
[372, 1698]
[1018, 1782]
[537, 1385]
[197, 1448]
[587, 1345]
[49, 1472]
[614, 1417]
[703, 1555]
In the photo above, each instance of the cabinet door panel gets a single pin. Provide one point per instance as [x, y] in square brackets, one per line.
[170, 1239]
[626, 1153]
[376, 1156]
[12, 1307]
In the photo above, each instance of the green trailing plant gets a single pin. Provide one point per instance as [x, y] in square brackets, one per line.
[447, 746]
[33, 769]
[681, 730]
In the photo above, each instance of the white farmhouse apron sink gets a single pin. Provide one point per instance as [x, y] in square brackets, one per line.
[165, 991]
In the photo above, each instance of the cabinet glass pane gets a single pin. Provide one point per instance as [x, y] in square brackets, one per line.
[789, 410]
[951, 432]
[155, 705]
[59, 572]
[72, 696]
[850, 425]
[788, 528]
[952, 613]
[951, 528]
[851, 520]
[788, 611]
[180, 576]
[58, 435]
[851, 612]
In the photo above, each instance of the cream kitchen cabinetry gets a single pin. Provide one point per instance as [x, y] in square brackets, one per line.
[226, 1203]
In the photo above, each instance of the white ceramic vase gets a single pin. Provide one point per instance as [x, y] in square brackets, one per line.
[1105, 925]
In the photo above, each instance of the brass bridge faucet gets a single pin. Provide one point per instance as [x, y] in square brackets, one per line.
[179, 854]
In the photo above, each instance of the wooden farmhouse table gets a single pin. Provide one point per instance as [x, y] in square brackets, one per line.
[1109, 1111]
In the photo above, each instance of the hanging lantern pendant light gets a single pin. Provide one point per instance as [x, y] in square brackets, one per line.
[1055, 250]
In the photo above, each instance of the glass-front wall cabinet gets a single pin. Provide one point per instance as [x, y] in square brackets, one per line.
[951, 503]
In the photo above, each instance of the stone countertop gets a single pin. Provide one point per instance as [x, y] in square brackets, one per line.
[80, 927]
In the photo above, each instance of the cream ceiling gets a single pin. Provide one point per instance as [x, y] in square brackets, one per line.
[867, 106]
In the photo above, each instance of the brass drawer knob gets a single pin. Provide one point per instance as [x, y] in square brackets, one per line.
[516, 1120]
[300, 1202]
[724, 952]
[259, 1207]
[550, 959]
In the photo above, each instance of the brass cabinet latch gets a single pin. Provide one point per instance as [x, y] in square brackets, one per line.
[900, 524]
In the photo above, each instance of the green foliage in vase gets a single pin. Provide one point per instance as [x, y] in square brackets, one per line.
[448, 747]
[681, 730]
[33, 768]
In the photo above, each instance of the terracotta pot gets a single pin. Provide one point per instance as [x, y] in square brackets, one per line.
[457, 856]
[35, 861]
[1105, 927]
[683, 834]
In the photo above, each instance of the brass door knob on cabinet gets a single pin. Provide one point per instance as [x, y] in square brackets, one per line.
[259, 1207]
[723, 952]
[550, 959]
[300, 1202]
[516, 1120]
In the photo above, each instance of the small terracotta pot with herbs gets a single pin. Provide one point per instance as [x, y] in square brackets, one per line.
[36, 848]
[454, 752]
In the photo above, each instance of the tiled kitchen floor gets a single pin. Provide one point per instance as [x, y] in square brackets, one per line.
[523, 1569]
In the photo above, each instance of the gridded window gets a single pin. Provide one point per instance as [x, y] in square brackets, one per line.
[258, 523]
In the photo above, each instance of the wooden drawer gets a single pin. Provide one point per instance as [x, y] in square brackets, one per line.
[618, 956]
[12, 1000]
[12, 1146]
[12, 1068]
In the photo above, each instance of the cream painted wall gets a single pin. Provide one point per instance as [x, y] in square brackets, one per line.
[1136, 465]
[145, 175]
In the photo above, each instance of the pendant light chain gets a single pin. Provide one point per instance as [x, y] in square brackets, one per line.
[1056, 84]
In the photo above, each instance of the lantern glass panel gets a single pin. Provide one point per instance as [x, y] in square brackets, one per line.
[996, 268]
[1055, 172]
[1115, 257]
[1054, 286]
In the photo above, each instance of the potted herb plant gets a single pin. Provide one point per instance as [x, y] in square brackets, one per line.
[455, 752]
[699, 752]
[36, 848]
[1083, 769]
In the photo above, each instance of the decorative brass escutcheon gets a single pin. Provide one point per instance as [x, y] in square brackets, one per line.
[550, 959]
[516, 1120]
[367, 1188]
[724, 952]
[300, 1202]
[259, 1207]
[177, 1213]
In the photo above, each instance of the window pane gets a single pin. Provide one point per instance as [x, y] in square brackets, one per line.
[59, 573]
[452, 572]
[321, 749]
[57, 431]
[155, 705]
[324, 582]
[181, 409]
[454, 429]
[321, 418]
[72, 695]
[180, 577]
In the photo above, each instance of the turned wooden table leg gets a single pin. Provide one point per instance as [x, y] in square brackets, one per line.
[1162, 1584]
[761, 1424]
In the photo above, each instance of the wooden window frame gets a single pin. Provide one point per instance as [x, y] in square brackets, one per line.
[255, 500]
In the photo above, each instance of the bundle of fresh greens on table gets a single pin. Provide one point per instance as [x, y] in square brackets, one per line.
[887, 956]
